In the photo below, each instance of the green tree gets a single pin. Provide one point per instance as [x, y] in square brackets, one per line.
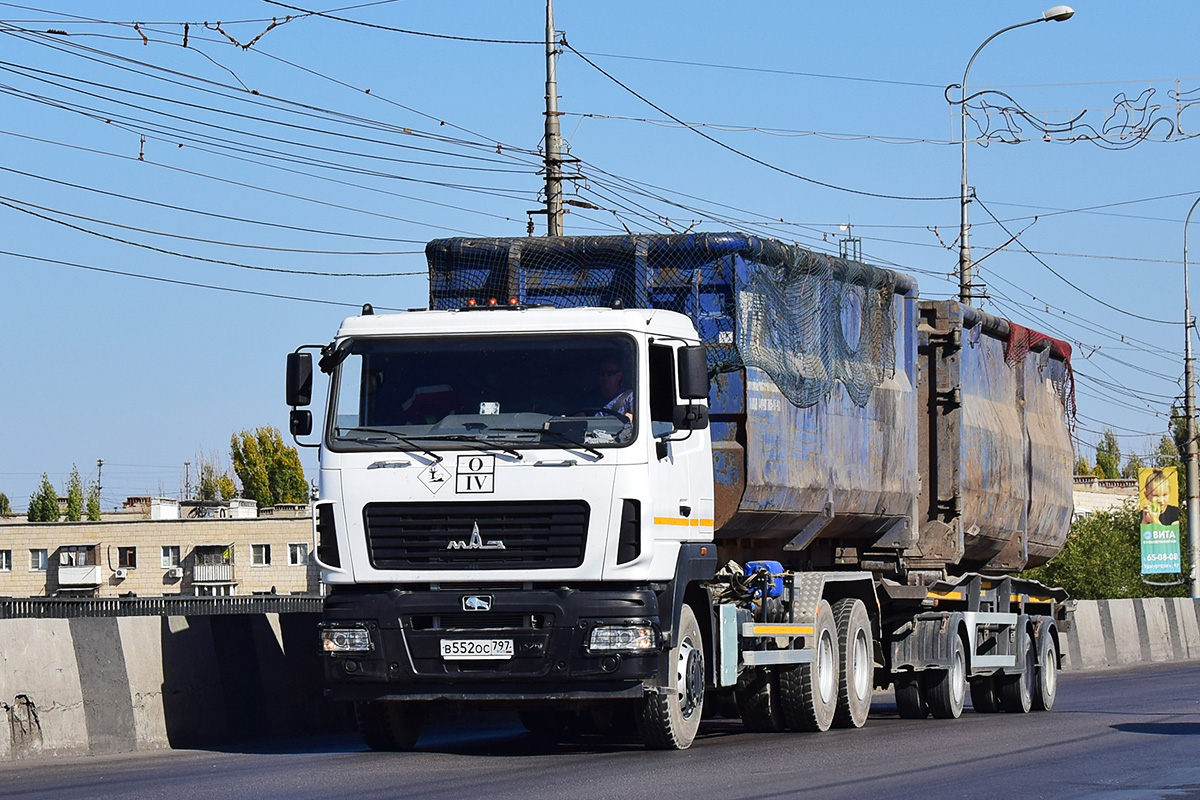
[1102, 559]
[1108, 454]
[5, 505]
[74, 496]
[1082, 467]
[43, 504]
[1132, 465]
[1167, 454]
[269, 469]
[214, 481]
[93, 501]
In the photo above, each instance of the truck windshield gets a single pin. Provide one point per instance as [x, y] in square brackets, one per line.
[503, 391]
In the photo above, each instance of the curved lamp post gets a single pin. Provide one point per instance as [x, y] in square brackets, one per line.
[1189, 406]
[1055, 14]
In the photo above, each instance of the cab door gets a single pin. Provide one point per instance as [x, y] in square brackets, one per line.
[680, 460]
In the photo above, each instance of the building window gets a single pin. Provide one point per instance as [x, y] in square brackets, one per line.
[77, 555]
[298, 554]
[170, 556]
[38, 560]
[5, 560]
[260, 555]
[127, 557]
[217, 590]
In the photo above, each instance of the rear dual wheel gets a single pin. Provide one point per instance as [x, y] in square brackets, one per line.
[809, 692]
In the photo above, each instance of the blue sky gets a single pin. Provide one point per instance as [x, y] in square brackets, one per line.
[154, 322]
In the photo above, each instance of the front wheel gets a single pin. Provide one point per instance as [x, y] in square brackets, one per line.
[389, 726]
[670, 721]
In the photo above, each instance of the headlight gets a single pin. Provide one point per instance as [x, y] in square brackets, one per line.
[626, 638]
[346, 640]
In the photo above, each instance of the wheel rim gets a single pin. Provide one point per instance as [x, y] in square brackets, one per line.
[861, 665]
[958, 679]
[826, 680]
[1050, 669]
[690, 678]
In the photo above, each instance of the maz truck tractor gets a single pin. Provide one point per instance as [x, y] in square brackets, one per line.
[813, 485]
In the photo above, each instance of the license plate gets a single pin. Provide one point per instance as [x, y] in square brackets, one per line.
[472, 649]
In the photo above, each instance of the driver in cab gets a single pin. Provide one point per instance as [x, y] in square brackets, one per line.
[610, 396]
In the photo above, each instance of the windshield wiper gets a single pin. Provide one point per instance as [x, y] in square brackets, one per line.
[562, 437]
[402, 439]
[483, 444]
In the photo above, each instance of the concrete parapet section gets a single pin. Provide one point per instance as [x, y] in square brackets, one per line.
[112, 684]
[100, 685]
[1115, 633]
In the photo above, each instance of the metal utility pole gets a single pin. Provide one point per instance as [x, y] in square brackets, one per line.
[1189, 409]
[554, 204]
[187, 480]
[99, 475]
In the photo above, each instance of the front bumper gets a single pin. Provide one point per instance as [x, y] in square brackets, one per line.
[549, 628]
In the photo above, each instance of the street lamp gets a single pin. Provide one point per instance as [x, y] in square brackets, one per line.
[1055, 14]
[1189, 409]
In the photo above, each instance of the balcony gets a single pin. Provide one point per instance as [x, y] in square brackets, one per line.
[212, 573]
[78, 577]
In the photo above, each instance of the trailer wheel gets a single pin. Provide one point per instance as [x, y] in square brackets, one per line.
[983, 694]
[910, 695]
[1016, 691]
[670, 721]
[759, 702]
[856, 678]
[1047, 674]
[389, 726]
[947, 688]
[810, 691]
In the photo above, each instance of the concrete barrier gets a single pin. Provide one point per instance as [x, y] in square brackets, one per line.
[99, 685]
[1115, 633]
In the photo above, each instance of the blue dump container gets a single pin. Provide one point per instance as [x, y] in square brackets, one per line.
[853, 425]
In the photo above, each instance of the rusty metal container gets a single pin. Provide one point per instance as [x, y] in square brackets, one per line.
[996, 460]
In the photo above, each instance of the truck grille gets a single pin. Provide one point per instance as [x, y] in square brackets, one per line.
[543, 535]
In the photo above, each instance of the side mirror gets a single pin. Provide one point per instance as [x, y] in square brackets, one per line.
[299, 382]
[693, 372]
[300, 422]
[692, 417]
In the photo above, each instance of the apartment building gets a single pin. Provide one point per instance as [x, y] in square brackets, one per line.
[200, 556]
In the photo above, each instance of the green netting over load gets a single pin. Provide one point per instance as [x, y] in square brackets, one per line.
[806, 319]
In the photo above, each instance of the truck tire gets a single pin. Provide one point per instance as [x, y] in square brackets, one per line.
[389, 726]
[910, 695]
[1017, 690]
[946, 689]
[670, 721]
[1047, 673]
[983, 694]
[809, 692]
[758, 701]
[856, 677]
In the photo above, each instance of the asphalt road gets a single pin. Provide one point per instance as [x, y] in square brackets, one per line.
[1118, 734]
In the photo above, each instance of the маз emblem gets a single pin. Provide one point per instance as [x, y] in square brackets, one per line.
[477, 602]
[476, 542]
